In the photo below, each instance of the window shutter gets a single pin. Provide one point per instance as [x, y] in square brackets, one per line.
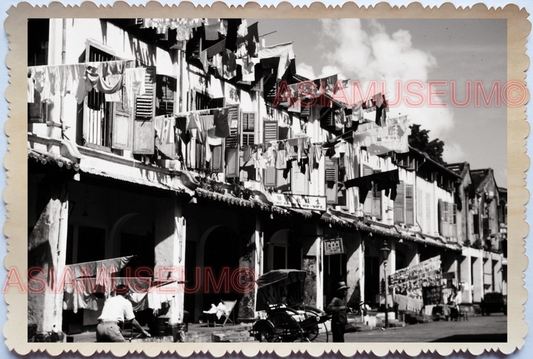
[200, 156]
[441, 217]
[233, 120]
[144, 103]
[143, 137]
[270, 177]
[367, 171]
[476, 223]
[232, 162]
[143, 126]
[217, 158]
[454, 221]
[369, 201]
[332, 173]
[122, 127]
[409, 205]
[376, 202]
[399, 204]
[486, 227]
[429, 210]
[270, 131]
[299, 181]
[420, 206]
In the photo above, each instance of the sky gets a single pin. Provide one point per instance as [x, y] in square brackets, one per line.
[407, 50]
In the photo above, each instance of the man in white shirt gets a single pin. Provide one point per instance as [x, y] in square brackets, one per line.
[116, 309]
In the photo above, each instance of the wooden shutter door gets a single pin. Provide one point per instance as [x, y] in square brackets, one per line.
[399, 204]
[217, 158]
[409, 205]
[122, 133]
[332, 173]
[270, 177]
[143, 126]
[376, 202]
[441, 217]
[270, 131]
[299, 181]
[233, 120]
[232, 163]
[367, 206]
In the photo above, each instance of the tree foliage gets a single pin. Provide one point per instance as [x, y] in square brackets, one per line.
[419, 139]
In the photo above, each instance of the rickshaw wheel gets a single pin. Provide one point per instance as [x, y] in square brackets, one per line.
[264, 331]
[312, 332]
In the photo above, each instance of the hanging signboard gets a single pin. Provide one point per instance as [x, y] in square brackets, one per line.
[317, 203]
[333, 246]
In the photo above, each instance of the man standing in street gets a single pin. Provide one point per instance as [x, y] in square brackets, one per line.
[338, 309]
[116, 309]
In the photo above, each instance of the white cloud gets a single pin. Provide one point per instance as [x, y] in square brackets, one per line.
[453, 153]
[374, 55]
[305, 70]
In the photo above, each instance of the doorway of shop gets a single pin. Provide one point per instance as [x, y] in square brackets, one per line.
[221, 259]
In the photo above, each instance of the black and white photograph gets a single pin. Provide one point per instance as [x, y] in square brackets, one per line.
[268, 180]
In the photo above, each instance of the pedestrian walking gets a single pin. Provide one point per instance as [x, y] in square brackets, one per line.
[339, 310]
[117, 309]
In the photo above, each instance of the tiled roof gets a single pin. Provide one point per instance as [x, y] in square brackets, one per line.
[51, 158]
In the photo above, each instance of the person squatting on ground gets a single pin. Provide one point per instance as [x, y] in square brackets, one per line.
[339, 310]
[116, 309]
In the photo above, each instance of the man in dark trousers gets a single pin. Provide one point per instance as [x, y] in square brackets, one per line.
[116, 309]
[339, 310]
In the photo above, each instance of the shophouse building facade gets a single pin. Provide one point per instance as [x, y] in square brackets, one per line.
[172, 151]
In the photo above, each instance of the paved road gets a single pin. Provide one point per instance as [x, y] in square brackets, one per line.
[491, 328]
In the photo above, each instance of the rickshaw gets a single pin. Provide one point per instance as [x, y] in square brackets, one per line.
[281, 293]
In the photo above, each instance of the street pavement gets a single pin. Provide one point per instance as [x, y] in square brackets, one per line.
[491, 328]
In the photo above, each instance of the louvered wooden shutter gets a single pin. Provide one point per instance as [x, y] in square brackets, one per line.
[144, 103]
[143, 126]
[121, 136]
[270, 131]
[376, 202]
[232, 162]
[332, 175]
[409, 205]
[200, 156]
[233, 120]
[367, 206]
[399, 204]
[217, 158]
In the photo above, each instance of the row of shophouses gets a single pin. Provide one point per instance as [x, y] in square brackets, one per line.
[158, 143]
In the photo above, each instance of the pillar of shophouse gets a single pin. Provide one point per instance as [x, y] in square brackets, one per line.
[47, 247]
[355, 265]
[498, 272]
[465, 278]
[477, 278]
[250, 268]
[487, 272]
[312, 264]
[169, 250]
[259, 256]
